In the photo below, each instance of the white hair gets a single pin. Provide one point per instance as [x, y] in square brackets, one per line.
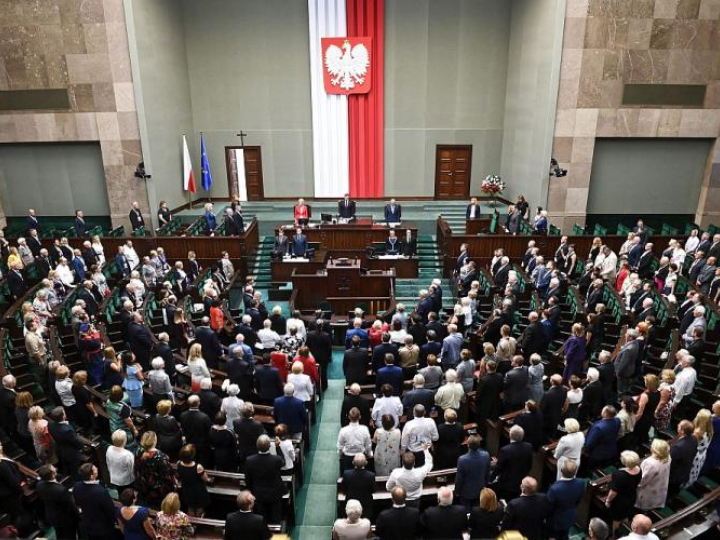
[206, 383]
[289, 389]
[353, 510]
[233, 390]
[593, 374]
[158, 363]
[451, 375]
[517, 433]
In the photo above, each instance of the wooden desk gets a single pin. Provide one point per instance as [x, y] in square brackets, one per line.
[477, 225]
[283, 270]
[404, 267]
[354, 236]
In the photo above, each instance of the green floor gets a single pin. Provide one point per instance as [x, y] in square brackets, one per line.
[316, 499]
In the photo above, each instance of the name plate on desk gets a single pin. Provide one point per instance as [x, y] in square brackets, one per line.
[295, 259]
[391, 257]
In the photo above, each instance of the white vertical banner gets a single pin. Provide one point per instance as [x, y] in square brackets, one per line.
[329, 112]
[241, 178]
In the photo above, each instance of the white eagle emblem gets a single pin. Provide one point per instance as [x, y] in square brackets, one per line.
[349, 67]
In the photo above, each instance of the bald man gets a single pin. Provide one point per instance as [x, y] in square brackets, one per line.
[245, 523]
[528, 512]
[446, 520]
[641, 525]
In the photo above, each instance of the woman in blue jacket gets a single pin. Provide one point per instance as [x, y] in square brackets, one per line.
[210, 221]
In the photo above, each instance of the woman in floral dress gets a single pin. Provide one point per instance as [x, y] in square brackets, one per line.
[667, 401]
[703, 434]
[387, 447]
[171, 523]
[155, 476]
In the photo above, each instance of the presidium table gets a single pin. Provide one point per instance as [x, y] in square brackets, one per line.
[347, 240]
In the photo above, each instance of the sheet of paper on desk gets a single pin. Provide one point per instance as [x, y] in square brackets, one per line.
[391, 257]
[294, 260]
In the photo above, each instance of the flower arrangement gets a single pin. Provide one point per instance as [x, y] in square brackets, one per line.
[492, 185]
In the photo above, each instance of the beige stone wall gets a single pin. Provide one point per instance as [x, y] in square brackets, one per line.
[80, 45]
[608, 43]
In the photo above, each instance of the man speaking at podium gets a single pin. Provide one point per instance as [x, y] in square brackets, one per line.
[346, 208]
[298, 244]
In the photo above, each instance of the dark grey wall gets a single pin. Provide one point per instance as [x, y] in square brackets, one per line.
[445, 74]
[647, 176]
[162, 94]
[59, 178]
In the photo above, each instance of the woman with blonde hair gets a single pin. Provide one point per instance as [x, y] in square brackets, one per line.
[302, 383]
[570, 446]
[85, 412]
[666, 404]
[485, 520]
[620, 499]
[112, 369]
[704, 434]
[155, 475]
[489, 354]
[43, 442]
[197, 367]
[652, 489]
[171, 523]
[647, 404]
[210, 220]
[23, 404]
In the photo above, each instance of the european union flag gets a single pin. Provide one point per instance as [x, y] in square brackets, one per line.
[205, 166]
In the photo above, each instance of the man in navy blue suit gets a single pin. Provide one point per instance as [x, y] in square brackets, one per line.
[80, 225]
[97, 507]
[393, 212]
[390, 374]
[563, 498]
[346, 207]
[298, 244]
[290, 411]
[473, 473]
[601, 440]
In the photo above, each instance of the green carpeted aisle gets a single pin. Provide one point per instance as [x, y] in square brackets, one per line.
[316, 499]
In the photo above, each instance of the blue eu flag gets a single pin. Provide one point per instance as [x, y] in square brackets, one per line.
[205, 166]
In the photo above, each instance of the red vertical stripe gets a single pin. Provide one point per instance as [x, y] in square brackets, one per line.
[366, 119]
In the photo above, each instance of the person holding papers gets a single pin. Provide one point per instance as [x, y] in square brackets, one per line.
[393, 246]
[298, 244]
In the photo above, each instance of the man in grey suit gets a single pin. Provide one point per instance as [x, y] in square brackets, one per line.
[626, 361]
[706, 275]
[516, 385]
[513, 220]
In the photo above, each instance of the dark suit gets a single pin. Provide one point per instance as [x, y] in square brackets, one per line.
[210, 402]
[80, 227]
[269, 383]
[361, 404]
[246, 525]
[320, 345]
[532, 339]
[563, 498]
[298, 245]
[527, 515]
[593, 401]
[469, 209]
[644, 265]
[99, 509]
[16, 284]
[393, 214]
[136, 219]
[532, 424]
[513, 464]
[60, 509]
[501, 277]
[360, 485]
[196, 428]
[291, 412]
[634, 255]
[355, 363]
[487, 400]
[43, 266]
[516, 388]
[67, 447]
[281, 246]
[264, 480]
[392, 375]
[379, 352]
[398, 523]
[473, 474]
[141, 343]
[444, 521]
[393, 246]
[32, 223]
[409, 247]
[8, 420]
[91, 303]
[601, 441]
[231, 226]
[682, 454]
[418, 396]
[607, 379]
[211, 348]
[247, 430]
[551, 407]
[346, 208]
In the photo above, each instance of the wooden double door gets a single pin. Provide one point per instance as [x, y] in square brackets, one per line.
[252, 159]
[452, 171]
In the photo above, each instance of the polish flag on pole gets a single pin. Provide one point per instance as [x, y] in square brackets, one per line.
[188, 178]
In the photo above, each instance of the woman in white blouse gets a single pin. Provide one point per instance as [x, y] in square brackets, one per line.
[302, 383]
[196, 366]
[98, 278]
[569, 446]
[232, 405]
[120, 462]
[98, 249]
[692, 242]
[63, 387]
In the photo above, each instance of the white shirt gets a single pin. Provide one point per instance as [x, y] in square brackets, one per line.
[269, 338]
[132, 257]
[287, 453]
[354, 439]
[303, 386]
[120, 462]
[684, 383]
[387, 405]
[411, 480]
[398, 336]
[232, 407]
[64, 389]
[417, 433]
[692, 243]
[635, 536]
[65, 275]
[678, 256]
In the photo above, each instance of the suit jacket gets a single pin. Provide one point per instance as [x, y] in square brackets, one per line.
[141, 343]
[644, 263]
[80, 227]
[94, 500]
[211, 348]
[634, 255]
[355, 363]
[513, 464]
[281, 246]
[551, 408]
[360, 485]
[516, 386]
[392, 375]
[682, 454]
[43, 266]
[32, 223]
[247, 431]
[269, 383]
[393, 247]
[196, 427]
[563, 498]
[625, 360]
[298, 245]
[707, 274]
[67, 444]
[246, 525]
[16, 283]
[592, 401]
[444, 521]
[501, 277]
[601, 440]
[513, 222]
[487, 400]
[393, 215]
[210, 403]
[379, 352]
[231, 226]
[527, 515]
[362, 405]
[398, 523]
[473, 474]
[532, 424]
[136, 219]
[409, 248]
[418, 396]
[8, 420]
[92, 305]
[346, 211]
[60, 509]
[469, 208]
[263, 476]
[607, 379]
[320, 345]
[594, 298]
[714, 250]
[291, 412]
